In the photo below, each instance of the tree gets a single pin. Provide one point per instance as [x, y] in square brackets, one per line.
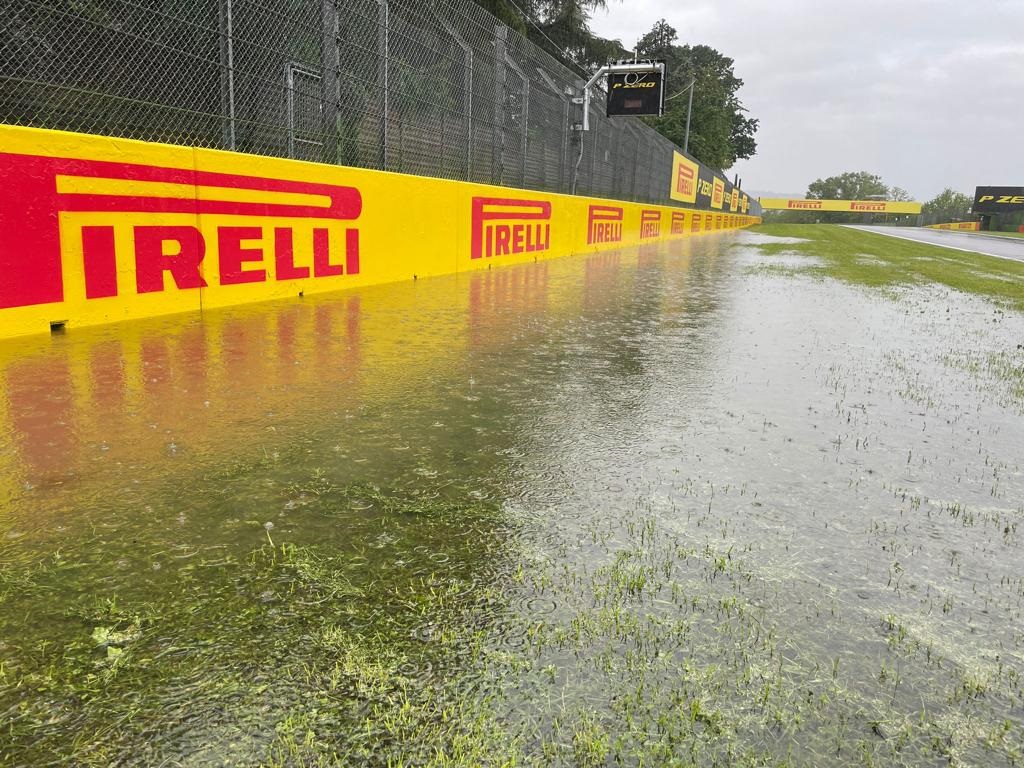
[720, 131]
[853, 185]
[948, 206]
[561, 27]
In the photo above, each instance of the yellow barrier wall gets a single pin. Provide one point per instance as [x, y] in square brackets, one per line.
[96, 229]
[840, 206]
[969, 226]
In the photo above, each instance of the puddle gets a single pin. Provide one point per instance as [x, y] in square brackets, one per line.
[610, 510]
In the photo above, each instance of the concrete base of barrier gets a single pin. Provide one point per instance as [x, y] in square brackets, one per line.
[97, 230]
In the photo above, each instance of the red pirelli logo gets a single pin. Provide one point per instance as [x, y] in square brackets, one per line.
[502, 227]
[871, 207]
[678, 223]
[40, 189]
[604, 224]
[650, 224]
[686, 181]
[810, 205]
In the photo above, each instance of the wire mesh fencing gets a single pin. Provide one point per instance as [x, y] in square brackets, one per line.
[429, 87]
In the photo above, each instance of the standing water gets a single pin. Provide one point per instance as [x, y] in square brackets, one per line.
[663, 506]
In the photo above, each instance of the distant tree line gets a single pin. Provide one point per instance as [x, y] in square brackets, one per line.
[947, 206]
[721, 132]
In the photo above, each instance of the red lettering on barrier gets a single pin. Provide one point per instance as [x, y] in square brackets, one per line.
[30, 208]
[604, 224]
[232, 255]
[507, 235]
[352, 251]
[650, 224]
[99, 261]
[284, 256]
[322, 266]
[678, 223]
[151, 259]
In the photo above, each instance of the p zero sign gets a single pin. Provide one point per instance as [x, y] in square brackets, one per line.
[636, 93]
[998, 200]
[685, 179]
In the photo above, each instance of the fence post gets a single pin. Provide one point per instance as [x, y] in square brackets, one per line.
[329, 63]
[227, 71]
[383, 54]
[467, 87]
[525, 116]
[565, 126]
[498, 145]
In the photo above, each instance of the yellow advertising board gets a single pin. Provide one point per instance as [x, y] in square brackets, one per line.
[96, 229]
[718, 194]
[685, 176]
[837, 206]
[961, 226]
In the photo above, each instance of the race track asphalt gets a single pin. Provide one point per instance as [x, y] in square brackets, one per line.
[989, 245]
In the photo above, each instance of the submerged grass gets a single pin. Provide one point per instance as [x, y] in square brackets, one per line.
[873, 260]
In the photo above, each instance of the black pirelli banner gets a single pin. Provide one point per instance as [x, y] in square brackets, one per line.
[634, 93]
[998, 200]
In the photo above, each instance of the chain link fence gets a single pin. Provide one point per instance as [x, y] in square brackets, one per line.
[434, 87]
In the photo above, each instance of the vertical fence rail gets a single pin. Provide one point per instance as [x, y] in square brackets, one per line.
[434, 87]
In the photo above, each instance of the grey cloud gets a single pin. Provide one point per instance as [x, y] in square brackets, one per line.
[925, 93]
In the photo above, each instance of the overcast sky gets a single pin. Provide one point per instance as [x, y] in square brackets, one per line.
[926, 93]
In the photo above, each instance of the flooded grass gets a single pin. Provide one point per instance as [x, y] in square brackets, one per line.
[865, 258]
[659, 508]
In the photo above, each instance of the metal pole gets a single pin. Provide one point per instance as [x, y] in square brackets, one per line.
[383, 42]
[227, 46]
[468, 106]
[329, 82]
[689, 111]
[289, 82]
[467, 86]
[525, 112]
[498, 147]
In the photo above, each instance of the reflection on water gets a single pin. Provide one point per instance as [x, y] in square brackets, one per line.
[644, 506]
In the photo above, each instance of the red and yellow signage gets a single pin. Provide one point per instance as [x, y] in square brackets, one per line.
[962, 226]
[718, 194]
[840, 206]
[685, 175]
[604, 224]
[95, 229]
[502, 226]
[650, 224]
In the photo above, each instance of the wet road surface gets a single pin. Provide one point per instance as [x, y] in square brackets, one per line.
[989, 245]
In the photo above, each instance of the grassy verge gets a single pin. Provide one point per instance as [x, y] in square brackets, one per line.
[869, 259]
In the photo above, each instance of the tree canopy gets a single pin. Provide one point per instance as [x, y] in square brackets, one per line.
[561, 27]
[721, 132]
[949, 205]
[851, 185]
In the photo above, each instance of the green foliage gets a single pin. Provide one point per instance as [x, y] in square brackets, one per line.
[561, 27]
[720, 130]
[852, 185]
[949, 205]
